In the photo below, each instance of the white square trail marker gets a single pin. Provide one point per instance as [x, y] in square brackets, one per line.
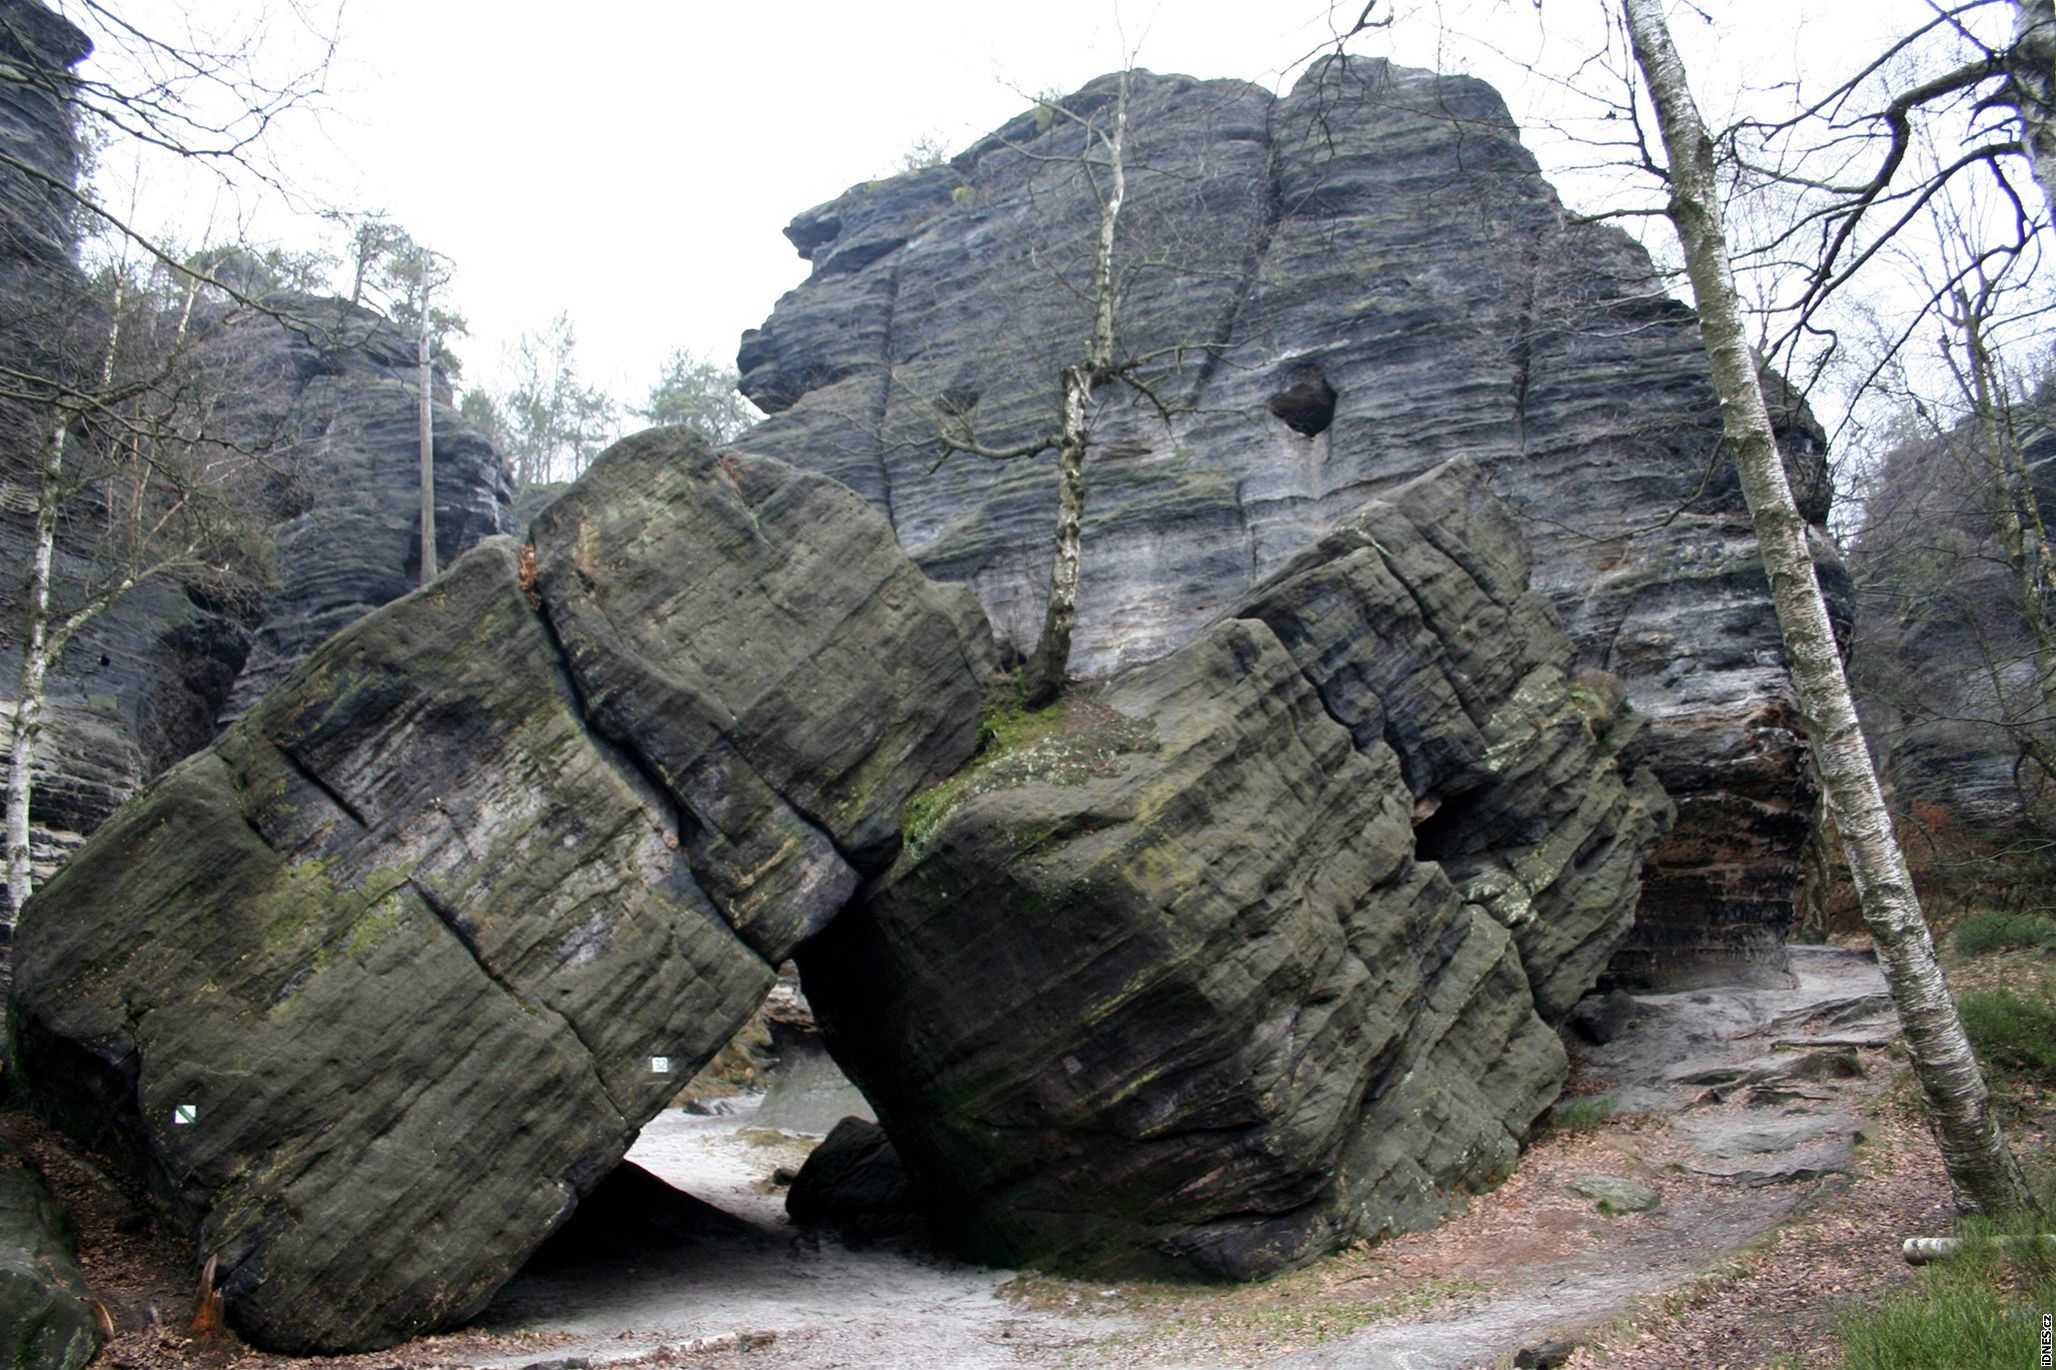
[660, 1065]
[185, 1115]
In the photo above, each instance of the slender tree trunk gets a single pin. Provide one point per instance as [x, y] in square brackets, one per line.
[2032, 66]
[1983, 1171]
[428, 566]
[35, 668]
[1043, 679]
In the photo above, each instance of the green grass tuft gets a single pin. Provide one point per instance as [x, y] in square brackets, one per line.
[1993, 930]
[1580, 1114]
[2014, 1034]
[1068, 743]
[1979, 1310]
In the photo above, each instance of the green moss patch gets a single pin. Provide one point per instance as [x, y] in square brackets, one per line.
[1071, 742]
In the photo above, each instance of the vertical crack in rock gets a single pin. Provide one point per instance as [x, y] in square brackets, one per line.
[1228, 334]
[883, 407]
[452, 920]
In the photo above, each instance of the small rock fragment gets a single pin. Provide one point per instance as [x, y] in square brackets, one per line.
[1615, 1196]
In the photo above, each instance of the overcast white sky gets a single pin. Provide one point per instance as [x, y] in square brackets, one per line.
[632, 162]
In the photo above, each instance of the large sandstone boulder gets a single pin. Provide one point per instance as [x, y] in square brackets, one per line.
[1173, 979]
[1339, 289]
[375, 988]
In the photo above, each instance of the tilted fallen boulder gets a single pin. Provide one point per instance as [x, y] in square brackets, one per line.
[374, 989]
[1173, 984]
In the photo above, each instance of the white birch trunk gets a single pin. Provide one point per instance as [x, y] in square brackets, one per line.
[1979, 1164]
[35, 669]
[428, 566]
[1043, 679]
[2032, 66]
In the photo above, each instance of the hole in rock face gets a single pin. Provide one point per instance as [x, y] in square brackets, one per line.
[699, 1201]
[1306, 402]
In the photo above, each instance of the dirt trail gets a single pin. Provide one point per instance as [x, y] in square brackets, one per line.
[1743, 1102]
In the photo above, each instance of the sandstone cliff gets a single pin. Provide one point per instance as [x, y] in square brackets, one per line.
[1339, 289]
[1946, 662]
[314, 396]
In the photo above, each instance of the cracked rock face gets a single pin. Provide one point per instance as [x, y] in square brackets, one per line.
[370, 990]
[1256, 952]
[1338, 289]
[783, 671]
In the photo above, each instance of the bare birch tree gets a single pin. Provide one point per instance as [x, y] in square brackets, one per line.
[132, 476]
[1980, 1166]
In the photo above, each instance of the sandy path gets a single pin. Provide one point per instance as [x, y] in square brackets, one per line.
[1732, 1137]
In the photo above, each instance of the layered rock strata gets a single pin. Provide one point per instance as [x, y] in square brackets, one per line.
[1256, 951]
[1329, 293]
[330, 392]
[375, 988]
[322, 397]
[318, 394]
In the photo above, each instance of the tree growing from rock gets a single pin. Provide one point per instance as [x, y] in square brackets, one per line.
[1088, 137]
[1983, 1170]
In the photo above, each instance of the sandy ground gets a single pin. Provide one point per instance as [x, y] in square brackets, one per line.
[1739, 1107]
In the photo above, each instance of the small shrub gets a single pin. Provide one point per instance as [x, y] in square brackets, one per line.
[1995, 930]
[2014, 1034]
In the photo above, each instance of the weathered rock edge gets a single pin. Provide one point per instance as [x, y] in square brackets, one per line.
[369, 992]
[1178, 986]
